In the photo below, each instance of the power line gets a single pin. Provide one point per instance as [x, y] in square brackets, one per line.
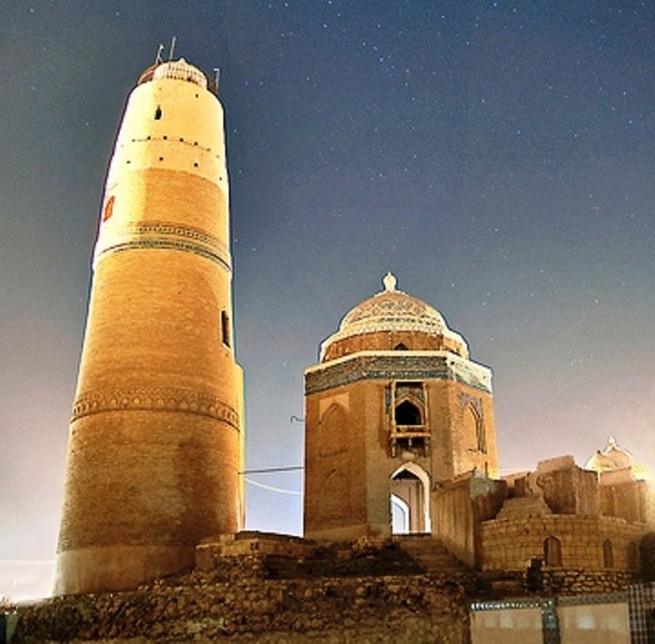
[294, 468]
[270, 488]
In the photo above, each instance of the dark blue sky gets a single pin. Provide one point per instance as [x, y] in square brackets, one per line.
[497, 156]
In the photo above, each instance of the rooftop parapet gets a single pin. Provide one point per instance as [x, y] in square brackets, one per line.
[179, 70]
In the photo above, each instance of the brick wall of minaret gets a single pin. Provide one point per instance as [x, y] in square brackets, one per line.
[155, 438]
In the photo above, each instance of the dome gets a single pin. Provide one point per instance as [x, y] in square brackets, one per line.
[611, 458]
[393, 311]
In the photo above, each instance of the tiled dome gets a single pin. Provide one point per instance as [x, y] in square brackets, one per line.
[393, 310]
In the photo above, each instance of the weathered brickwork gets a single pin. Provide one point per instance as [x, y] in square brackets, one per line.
[510, 544]
[155, 442]
[347, 492]
[388, 340]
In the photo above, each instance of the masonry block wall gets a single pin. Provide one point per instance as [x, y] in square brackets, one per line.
[510, 544]
[459, 508]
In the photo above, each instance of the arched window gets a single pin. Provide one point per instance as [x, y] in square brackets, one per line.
[608, 554]
[400, 347]
[552, 552]
[407, 414]
[158, 113]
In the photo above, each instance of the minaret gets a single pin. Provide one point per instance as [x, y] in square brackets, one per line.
[155, 442]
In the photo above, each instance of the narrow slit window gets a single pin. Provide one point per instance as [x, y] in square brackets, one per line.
[225, 328]
[158, 113]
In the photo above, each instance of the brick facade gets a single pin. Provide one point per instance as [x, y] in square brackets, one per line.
[155, 438]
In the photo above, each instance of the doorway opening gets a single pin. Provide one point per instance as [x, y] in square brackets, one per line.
[410, 500]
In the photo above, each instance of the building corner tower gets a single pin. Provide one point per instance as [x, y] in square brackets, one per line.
[155, 441]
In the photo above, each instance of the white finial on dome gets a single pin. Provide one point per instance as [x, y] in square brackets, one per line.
[389, 281]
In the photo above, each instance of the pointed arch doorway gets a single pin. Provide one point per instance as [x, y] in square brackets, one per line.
[410, 500]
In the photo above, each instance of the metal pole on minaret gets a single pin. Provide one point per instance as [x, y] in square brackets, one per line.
[155, 440]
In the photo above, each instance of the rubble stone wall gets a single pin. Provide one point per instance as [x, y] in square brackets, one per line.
[578, 581]
[416, 608]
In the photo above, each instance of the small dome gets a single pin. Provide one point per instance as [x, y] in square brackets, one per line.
[392, 311]
[611, 458]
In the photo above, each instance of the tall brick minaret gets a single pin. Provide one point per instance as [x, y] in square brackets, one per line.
[155, 443]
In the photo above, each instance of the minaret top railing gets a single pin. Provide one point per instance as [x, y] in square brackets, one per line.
[180, 70]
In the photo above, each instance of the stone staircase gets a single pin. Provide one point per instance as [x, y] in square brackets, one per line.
[343, 560]
[266, 556]
[429, 553]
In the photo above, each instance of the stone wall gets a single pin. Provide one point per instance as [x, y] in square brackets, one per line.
[415, 608]
[567, 488]
[576, 581]
[624, 497]
[510, 544]
[459, 507]
[274, 588]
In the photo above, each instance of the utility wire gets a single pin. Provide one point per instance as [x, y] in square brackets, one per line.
[293, 468]
[270, 488]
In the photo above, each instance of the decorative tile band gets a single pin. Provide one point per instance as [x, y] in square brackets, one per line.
[155, 399]
[162, 235]
[369, 366]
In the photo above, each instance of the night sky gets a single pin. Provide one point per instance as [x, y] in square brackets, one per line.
[496, 156]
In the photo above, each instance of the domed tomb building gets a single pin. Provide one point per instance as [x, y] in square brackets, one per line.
[394, 408]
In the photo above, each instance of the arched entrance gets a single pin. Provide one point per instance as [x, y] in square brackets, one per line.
[410, 500]
[399, 516]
